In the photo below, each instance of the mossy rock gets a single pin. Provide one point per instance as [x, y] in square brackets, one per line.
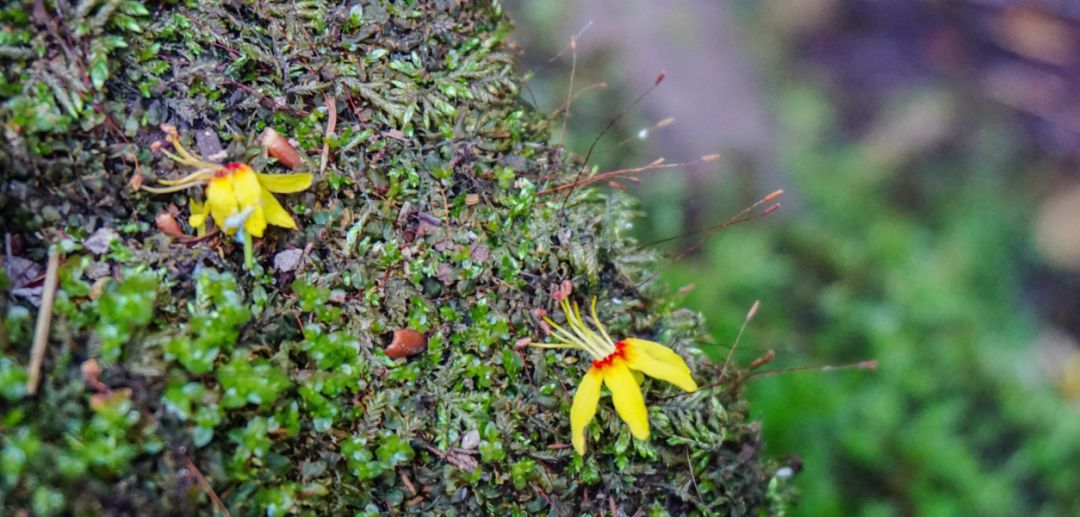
[174, 376]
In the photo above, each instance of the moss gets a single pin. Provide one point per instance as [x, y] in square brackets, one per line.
[271, 386]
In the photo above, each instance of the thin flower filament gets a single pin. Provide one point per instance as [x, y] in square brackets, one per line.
[579, 336]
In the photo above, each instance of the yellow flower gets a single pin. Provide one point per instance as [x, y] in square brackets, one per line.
[240, 200]
[199, 211]
[614, 364]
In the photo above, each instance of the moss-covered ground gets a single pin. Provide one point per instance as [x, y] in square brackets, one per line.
[175, 381]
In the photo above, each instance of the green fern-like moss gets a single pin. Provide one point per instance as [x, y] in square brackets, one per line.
[270, 389]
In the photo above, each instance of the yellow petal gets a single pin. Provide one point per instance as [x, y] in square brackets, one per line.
[583, 408]
[677, 374]
[274, 212]
[197, 220]
[247, 187]
[285, 183]
[658, 351]
[199, 211]
[626, 395]
[222, 202]
[256, 222]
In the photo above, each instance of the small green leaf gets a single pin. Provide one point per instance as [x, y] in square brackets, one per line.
[135, 9]
[127, 23]
[99, 70]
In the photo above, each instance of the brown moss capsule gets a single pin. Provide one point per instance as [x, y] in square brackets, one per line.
[280, 148]
[406, 342]
[167, 224]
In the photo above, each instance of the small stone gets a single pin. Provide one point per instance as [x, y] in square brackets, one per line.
[480, 254]
[470, 440]
[98, 270]
[338, 296]
[445, 274]
[22, 271]
[99, 242]
[30, 294]
[288, 260]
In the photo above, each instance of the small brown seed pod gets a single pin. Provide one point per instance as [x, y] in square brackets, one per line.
[280, 148]
[406, 342]
[167, 224]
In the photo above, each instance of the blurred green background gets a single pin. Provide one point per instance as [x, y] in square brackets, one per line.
[931, 221]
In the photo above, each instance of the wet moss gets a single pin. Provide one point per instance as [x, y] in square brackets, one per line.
[270, 388]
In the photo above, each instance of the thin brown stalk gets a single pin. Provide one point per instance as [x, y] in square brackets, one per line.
[44, 321]
[331, 126]
[220, 506]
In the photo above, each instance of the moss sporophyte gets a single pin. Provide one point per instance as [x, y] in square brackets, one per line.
[240, 200]
[614, 364]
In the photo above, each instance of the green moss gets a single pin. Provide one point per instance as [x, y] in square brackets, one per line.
[274, 384]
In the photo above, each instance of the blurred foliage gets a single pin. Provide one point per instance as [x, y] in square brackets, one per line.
[907, 133]
[919, 267]
[175, 382]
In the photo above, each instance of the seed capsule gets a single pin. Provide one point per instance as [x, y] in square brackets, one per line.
[167, 224]
[406, 342]
[280, 148]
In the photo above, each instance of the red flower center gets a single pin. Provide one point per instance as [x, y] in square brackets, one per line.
[228, 169]
[620, 351]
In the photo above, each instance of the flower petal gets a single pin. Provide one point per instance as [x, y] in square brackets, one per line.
[222, 202]
[626, 395]
[284, 183]
[658, 351]
[199, 211]
[197, 220]
[274, 212]
[583, 408]
[677, 374]
[247, 187]
[249, 197]
[255, 224]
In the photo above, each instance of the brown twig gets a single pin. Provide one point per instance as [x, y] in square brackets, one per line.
[273, 103]
[331, 126]
[546, 498]
[742, 216]
[303, 258]
[566, 107]
[570, 88]
[690, 465]
[869, 364]
[749, 316]
[588, 154]
[564, 49]
[205, 485]
[654, 165]
[44, 320]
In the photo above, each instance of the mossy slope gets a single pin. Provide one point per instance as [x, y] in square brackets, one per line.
[271, 386]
